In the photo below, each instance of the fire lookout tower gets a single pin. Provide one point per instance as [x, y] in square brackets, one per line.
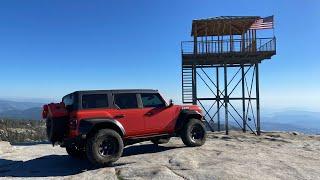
[224, 46]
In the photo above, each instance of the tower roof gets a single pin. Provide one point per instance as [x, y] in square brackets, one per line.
[222, 25]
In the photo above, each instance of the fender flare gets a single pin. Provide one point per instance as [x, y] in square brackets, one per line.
[87, 125]
[184, 116]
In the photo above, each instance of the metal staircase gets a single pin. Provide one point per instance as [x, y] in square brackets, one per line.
[187, 84]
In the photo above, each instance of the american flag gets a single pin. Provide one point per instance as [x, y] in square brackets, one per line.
[263, 23]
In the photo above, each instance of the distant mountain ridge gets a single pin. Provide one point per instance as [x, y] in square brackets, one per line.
[20, 110]
[282, 120]
[6, 105]
[27, 114]
[293, 120]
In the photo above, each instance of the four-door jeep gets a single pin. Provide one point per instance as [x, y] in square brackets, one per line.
[98, 124]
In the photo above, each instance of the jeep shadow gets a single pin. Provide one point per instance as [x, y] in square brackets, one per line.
[64, 165]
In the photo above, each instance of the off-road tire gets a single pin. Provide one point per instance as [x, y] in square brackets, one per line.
[76, 152]
[55, 129]
[160, 141]
[104, 140]
[193, 133]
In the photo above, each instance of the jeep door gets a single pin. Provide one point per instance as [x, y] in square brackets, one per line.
[128, 113]
[159, 118]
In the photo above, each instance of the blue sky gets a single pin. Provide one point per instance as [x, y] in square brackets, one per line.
[50, 48]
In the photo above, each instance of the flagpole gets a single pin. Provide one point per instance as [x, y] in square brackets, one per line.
[273, 24]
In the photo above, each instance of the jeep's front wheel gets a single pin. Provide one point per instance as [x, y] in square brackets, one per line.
[193, 133]
[104, 147]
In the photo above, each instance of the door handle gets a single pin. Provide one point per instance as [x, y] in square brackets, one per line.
[119, 116]
[149, 113]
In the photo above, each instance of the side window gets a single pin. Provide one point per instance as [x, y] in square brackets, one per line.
[126, 100]
[152, 100]
[90, 101]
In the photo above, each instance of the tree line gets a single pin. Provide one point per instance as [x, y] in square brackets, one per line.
[20, 131]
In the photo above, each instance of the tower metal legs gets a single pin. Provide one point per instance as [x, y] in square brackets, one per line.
[258, 99]
[226, 99]
[250, 116]
[244, 119]
[218, 97]
[194, 85]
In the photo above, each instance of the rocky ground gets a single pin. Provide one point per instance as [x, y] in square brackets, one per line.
[237, 156]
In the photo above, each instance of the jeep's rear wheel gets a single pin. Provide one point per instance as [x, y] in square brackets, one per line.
[160, 141]
[75, 151]
[193, 133]
[105, 147]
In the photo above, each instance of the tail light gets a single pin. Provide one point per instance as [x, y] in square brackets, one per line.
[45, 111]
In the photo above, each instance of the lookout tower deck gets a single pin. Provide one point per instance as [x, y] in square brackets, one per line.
[227, 51]
[226, 42]
[226, 39]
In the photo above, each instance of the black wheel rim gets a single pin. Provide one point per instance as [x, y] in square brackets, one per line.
[197, 132]
[108, 146]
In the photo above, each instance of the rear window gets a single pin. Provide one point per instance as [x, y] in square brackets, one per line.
[90, 101]
[68, 99]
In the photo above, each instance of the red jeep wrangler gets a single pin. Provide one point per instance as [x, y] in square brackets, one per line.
[98, 124]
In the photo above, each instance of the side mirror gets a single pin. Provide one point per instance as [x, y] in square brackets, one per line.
[170, 102]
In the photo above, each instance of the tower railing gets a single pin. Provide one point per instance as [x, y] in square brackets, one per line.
[229, 46]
